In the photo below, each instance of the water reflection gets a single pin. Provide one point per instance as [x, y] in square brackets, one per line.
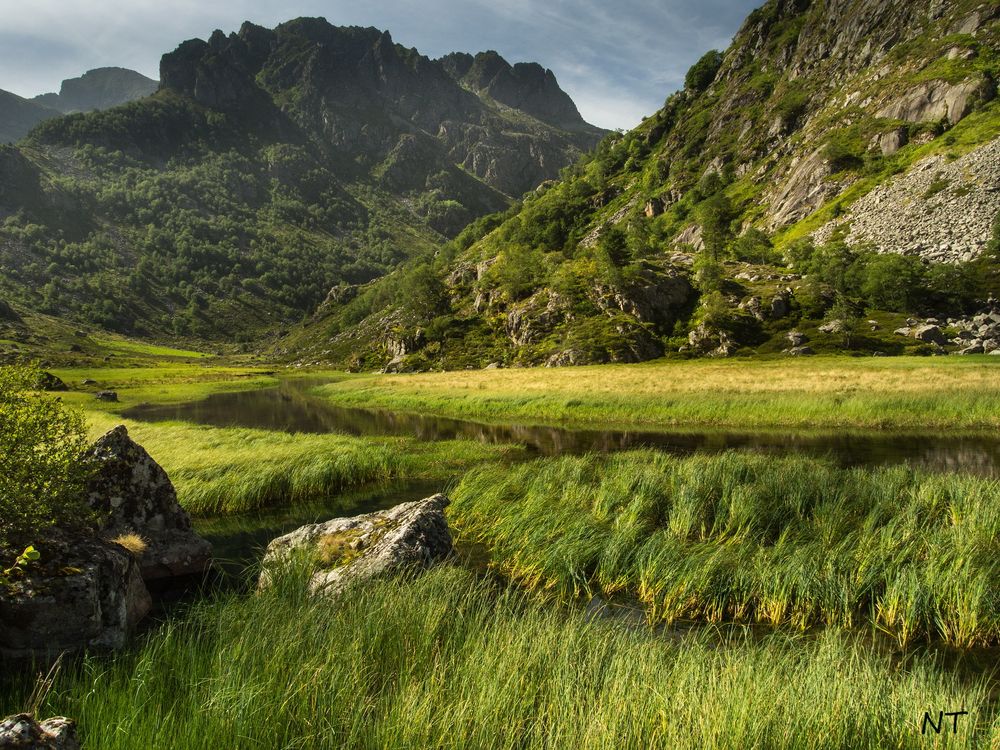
[290, 408]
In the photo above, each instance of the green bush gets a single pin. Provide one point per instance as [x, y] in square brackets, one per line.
[702, 73]
[42, 471]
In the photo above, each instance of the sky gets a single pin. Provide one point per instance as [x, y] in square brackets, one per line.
[617, 59]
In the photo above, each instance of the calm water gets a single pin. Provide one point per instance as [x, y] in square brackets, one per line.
[290, 408]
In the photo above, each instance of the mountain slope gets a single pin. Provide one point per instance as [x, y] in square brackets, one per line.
[270, 166]
[101, 88]
[831, 124]
[18, 116]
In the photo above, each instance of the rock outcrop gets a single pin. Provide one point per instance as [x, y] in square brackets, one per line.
[85, 593]
[135, 495]
[350, 550]
[23, 732]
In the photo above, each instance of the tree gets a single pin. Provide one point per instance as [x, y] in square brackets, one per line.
[892, 282]
[700, 76]
[715, 215]
[42, 469]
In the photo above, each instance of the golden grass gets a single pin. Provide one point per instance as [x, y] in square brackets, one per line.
[904, 392]
[134, 543]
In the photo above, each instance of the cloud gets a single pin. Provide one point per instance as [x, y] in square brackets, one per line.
[618, 60]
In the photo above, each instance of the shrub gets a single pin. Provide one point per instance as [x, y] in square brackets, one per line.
[42, 471]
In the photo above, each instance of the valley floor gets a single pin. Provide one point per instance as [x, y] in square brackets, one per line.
[790, 603]
[939, 393]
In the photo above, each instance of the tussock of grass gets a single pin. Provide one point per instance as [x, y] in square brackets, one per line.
[789, 541]
[444, 661]
[822, 392]
[134, 543]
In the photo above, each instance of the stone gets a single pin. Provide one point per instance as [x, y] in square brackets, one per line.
[929, 333]
[780, 306]
[49, 382]
[22, 732]
[974, 349]
[834, 326]
[801, 351]
[904, 331]
[796, 338]
[84, 593]
[493, 366]
[8, 313]
[889, 143]
[109, 396]
[135, 495]
[353, 550]
[566, 358]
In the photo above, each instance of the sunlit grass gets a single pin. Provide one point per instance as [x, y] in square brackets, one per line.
[447, 661]
[787, 541]
[904, 392]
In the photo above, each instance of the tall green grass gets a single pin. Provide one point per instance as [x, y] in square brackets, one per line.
[789, 541]
[447, 661]
[222, 470]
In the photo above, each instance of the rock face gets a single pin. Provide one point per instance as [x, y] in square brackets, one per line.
[936, 100]
[101, 88]
[87, 594]
[138, 497]
[22, 732]
[349, 550]
[940, 210]
[426, 115]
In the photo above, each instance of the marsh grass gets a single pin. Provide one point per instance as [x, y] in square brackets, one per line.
[449, 661]
[834, 392]
[736, 537]
[219, 470]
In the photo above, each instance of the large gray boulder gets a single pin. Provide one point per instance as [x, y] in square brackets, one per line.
[22, 732]
[134, 495]
[84, 593]
[349, 550]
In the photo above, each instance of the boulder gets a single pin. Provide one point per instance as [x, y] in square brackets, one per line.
[8, 313]
[929, 333]
[49, 382]
[349, 550]
[84, 593]
[22, 732]
[796, 338]
[801, 351]
[780, 304]
[834, 326]
[135, 495]
[109, 396]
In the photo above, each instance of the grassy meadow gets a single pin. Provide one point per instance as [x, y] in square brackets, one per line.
[940, 393]
[872, 583]
[449, 661]
[220, 470]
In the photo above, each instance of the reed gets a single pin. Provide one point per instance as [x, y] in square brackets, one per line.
[740, 537]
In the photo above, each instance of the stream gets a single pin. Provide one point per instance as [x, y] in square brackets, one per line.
[289, 407]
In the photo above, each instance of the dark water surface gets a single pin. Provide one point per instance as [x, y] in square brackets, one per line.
[290, 408]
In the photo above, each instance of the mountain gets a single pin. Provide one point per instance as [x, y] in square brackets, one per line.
[271, 166]
[18, 116]
[101, 88]
[831, 177]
